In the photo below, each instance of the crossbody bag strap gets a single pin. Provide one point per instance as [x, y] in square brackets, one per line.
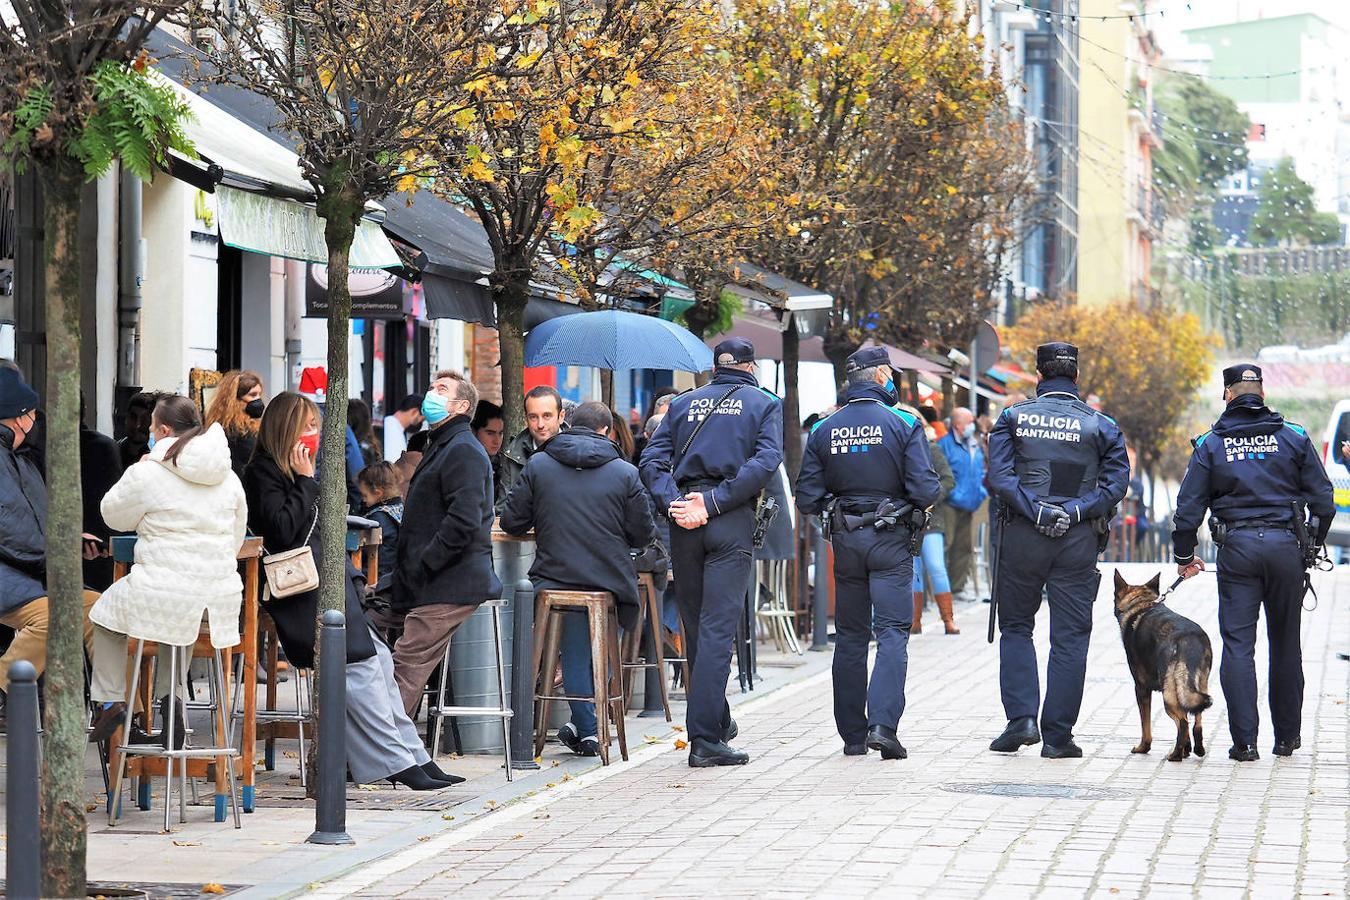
[701, 422]
[305, 542]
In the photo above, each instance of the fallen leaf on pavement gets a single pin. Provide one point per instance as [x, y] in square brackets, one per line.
[551, 785]
[516, 837]
[567, 776]
[212, 888]
[538, 759]
[492, 804]
[677, 728]
[556, 763]
[187, 843]
[424, 838]
[447, 817]
[680, 745]
[651, 739]
[543, 815]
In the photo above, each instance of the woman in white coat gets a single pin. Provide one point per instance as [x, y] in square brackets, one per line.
[187, 508]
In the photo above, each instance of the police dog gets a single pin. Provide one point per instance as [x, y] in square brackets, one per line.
[1166, 652]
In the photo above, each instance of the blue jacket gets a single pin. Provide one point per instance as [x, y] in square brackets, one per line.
[868, 450]
[1252, 465]
[968, 470]
[736, 453]
[23, 527]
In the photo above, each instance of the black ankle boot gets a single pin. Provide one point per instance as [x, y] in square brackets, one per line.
[435, 772]
[418, 780]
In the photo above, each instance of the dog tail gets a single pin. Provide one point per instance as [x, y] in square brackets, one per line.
[1196, 696]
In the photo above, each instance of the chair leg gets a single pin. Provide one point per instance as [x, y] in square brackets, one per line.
[544, 680]
[227, 760]
[118, 759]
[600, 674]
[615, 706]
[300, 724]
[504, 698]
[656, 667]
[438, 725]
[168, 725]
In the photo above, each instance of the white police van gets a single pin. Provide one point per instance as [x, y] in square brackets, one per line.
[1338, 467]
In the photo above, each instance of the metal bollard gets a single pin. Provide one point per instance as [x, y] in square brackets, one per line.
[522, 678]
[23, 868]
[330, 809]
[820, 594]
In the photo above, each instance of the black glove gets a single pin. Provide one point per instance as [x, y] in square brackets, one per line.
[1051, 520]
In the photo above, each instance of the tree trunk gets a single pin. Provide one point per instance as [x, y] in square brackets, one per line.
[792, 405]
[340, 210]
[63, 823]
[511, 301]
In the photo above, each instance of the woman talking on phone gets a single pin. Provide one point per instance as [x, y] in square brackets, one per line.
[283, 508]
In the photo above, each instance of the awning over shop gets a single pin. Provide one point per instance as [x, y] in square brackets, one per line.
[453, 256]
[755, 283]
[762, 328]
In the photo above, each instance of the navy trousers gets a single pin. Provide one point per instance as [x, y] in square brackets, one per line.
[1065, 568]
[1261, 568]
[873, 574]
[712, 575]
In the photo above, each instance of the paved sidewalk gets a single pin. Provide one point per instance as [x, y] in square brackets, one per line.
[954, 820]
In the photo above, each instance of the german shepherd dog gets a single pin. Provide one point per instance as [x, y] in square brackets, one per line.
[1166, 652]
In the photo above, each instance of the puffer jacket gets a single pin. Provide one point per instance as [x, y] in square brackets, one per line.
[189, 517]
[23, 527]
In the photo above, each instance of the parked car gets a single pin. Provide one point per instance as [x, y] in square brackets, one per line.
[1338, 468]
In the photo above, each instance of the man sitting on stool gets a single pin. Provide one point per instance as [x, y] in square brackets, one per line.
[588, 507]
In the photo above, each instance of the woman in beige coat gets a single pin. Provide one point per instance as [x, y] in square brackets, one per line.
[187, 508]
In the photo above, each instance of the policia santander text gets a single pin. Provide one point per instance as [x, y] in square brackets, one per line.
[1059, 468]
[867, 470]
[1256, 473]
[706, 465]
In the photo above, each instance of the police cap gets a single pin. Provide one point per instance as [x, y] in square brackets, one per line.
[1241, 372]
[733, 350]
[1054, 350]
[867, 358]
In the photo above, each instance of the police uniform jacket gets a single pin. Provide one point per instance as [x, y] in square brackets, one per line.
[1057, 449]
[867, 451]
[1250, 468]
[735, 454]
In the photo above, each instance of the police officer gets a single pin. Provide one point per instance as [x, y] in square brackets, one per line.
[1256, 473]
[867, 469]
[1059, 468]
[705, 466]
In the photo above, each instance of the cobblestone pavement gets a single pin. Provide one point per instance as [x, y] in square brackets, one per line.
[804, 820]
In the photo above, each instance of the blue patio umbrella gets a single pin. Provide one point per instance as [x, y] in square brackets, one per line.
[613, 339]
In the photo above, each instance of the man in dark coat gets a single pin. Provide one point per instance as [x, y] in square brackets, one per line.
[23, 527]
[444, 569]
[588, 508]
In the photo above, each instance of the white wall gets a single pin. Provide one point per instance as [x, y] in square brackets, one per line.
[166, 228]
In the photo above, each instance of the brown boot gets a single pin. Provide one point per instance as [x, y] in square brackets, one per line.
[917, 627]
[944, 605]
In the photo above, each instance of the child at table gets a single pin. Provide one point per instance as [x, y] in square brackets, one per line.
[379, 486]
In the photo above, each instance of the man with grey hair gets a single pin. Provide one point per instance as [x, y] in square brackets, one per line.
[962, 448]
[444, 564]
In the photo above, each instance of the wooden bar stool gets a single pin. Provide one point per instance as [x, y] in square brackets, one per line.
[606, 662]
[649, 616]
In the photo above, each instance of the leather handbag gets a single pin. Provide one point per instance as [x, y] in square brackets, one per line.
[294, 571]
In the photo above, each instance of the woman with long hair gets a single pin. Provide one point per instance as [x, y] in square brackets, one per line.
[283, 508]
[187, 509]
[237, 407]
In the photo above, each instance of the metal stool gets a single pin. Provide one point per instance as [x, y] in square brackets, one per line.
[270, 716]
[606, 662]
[221, 752]
[980, 565]
[438, 712]
[773, 574]
[649, 615]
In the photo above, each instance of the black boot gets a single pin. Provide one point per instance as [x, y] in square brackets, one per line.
[733, 731]
[1067, 750]
[1287, 748]
[435, 772]
[1243, 753]
[879, 737]
[418, 780]
[855, 749]
[704, 753]
[1021, 732]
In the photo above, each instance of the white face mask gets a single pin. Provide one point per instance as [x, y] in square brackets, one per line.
[969, 431]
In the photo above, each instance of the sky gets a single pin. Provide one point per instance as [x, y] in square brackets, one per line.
[1179, 15]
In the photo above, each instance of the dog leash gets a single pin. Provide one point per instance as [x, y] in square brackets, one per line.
[1173, 587]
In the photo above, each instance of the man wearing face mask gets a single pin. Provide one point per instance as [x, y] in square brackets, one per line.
[444, 562]
[864, 466]
[964, 454]
[23, 525]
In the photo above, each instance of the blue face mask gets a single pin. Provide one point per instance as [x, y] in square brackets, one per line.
[150, 444]
[435, 408]
[889, 388]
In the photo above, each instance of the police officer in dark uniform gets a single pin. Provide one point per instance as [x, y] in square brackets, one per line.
[1256, 473]
[1059, 468]
[867, 470]
[705, 466]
